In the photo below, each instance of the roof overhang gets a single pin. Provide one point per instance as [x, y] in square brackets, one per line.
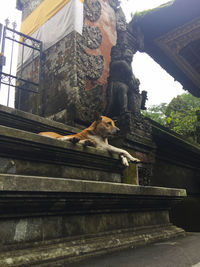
[172, 38]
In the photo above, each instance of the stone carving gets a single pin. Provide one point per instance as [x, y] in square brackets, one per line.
[92, 10]
[121, 24]
[123, 87]
[135, 124]
[144, 99]
[144, 175]
[114, 4]
[95, 66]
[124, 101]
[93, 98]
[92, 37]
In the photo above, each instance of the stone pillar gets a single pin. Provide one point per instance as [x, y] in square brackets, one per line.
[76, 68]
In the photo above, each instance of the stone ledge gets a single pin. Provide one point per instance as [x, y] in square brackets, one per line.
[44, 184]
[7, 133]
[18, 119]
[31, 154]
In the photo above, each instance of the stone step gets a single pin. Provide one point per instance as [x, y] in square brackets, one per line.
[51, 221]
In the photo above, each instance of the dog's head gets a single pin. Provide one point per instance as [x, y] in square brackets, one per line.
[105, 126]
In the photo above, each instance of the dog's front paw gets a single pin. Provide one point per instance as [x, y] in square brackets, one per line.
[135, 160]
[124, 161]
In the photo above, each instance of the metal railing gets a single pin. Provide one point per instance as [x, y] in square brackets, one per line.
[23, 72]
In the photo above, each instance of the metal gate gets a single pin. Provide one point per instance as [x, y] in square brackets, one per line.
[19, 52]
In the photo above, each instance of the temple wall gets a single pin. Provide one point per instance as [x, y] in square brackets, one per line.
[176, 161]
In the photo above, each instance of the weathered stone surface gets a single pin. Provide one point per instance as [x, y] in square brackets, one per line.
[49, 219]
[120, 20]
[44, 184]
[114, 4]
[66, 252]
[95, 66]
[177, 161]
[92, 9]
[92, 36]
[32, 123]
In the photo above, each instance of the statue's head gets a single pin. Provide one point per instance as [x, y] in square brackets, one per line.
[116, 53]
[128, 55]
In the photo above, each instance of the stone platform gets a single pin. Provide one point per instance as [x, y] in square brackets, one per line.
[61, 202]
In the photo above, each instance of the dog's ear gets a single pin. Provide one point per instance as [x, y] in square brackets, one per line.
[97, 116]
[115, 121]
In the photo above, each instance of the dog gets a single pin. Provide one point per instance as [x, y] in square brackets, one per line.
[96, 135]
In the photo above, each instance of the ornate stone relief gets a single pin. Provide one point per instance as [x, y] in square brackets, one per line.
[144, 176]
[92, 10]
[95, 66]
[115, 4]
[121, 24]
[90, 66]
[92, 36]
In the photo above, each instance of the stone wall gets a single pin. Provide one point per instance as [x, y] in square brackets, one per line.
[176, 161]
[177, 165]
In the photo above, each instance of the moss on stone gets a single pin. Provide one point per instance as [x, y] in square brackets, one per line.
[130, 175]
[140, 15]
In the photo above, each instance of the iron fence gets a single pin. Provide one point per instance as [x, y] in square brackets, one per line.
[20, 62]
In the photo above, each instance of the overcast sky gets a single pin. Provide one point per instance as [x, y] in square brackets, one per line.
[161, 86]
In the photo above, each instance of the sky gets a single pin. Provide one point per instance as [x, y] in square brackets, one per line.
[160, 86]
[9, 11]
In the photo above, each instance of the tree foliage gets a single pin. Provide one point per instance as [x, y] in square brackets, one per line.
[180, 116]
[156, 113]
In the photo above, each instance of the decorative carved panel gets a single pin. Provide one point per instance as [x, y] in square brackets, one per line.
[92, 10]
[179, 45]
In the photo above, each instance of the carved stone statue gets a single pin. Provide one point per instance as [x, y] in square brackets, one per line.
[144, 99]
[123, 88]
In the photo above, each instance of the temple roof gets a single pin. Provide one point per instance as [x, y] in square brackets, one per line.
[172, 38]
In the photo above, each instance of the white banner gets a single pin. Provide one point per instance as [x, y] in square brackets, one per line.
[66, 20]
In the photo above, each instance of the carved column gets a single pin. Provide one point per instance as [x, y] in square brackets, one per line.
[125, 101]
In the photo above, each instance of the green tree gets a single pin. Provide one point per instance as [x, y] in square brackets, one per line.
[157, 113]
[180, 116]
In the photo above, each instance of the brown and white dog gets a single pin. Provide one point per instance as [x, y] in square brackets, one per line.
[96, 135]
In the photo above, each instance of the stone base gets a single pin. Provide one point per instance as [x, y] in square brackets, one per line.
[61, 252]
[53, 221]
